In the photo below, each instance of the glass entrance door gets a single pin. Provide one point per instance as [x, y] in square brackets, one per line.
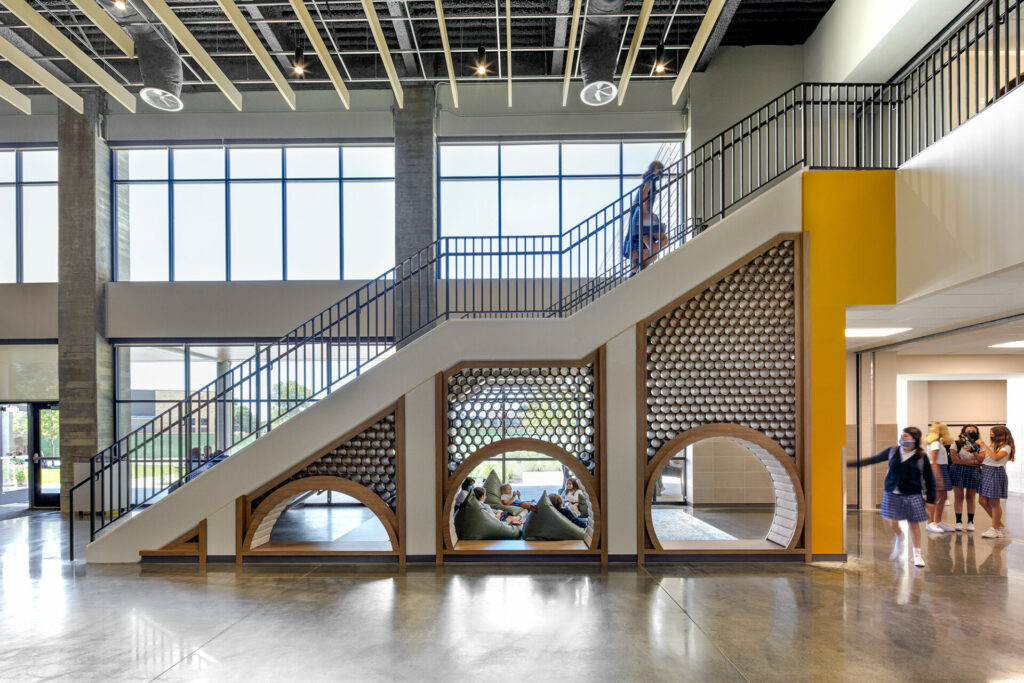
[45, 455]
[14, 453]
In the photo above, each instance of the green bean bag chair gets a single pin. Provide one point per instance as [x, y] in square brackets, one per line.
[473, 523]
[493, 487]
[584, 505]
[547, 524]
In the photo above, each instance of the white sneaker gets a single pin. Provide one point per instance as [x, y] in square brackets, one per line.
[959, 526]
[918, 558]
[897, 546]
[934, 528]
[992, 533]
[970, 526]
[946, 527]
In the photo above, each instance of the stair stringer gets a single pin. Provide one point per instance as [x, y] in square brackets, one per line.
[777, 210]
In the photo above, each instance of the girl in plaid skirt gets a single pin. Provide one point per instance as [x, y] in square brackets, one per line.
[994, 483]
[910, 474]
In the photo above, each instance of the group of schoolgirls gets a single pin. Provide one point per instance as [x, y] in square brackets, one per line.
[923, 471]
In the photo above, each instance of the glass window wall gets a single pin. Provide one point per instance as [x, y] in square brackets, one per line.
[28, 215]
[253, 213]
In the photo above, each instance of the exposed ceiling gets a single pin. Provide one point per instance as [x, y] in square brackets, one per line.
[990, 298]
[539, 32]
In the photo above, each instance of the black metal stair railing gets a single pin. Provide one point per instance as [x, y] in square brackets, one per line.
[818, 125]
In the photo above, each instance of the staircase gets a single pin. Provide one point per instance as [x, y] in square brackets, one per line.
[818, 125]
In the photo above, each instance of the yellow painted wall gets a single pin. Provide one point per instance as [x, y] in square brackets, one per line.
[851, 220]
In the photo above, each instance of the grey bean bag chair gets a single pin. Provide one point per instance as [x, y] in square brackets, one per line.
[473, 523]
[547, 524]
[493, 487]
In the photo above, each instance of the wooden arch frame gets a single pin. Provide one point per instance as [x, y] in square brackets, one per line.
[586, 479]
[270, 509]
[785, 479]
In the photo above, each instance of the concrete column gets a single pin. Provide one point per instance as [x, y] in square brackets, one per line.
[415, 209]
[85, 362]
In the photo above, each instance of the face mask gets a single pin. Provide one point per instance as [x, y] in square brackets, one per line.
[907, 443]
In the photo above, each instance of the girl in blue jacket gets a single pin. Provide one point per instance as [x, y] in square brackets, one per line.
[909, 476]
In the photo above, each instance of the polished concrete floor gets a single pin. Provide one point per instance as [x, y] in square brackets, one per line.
[960, 618]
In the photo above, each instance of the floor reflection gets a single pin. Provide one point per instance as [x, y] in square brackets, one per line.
[958, 618]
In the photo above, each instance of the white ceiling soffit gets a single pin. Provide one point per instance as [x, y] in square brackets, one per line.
[990, 298]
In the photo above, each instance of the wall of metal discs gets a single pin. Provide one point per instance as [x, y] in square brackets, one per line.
[369, 459]
[553, 404]
[728, 355]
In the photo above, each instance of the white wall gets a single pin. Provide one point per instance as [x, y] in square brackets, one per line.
[28, 311]
[979, 401]
[1015, 421]
[737, 82]
[959, 204]
[867, 41]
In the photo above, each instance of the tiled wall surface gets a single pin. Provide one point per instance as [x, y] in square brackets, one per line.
[725, 472]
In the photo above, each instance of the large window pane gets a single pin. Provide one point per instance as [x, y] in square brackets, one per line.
[256, 163]
[146, 231]
[469, 160]
[529, 160]
[141, 164]
[312, 162]
[7, 173]
[8, 236]
[39, 233]
[529, 207]
[151, 373]
[590, 159]
[39, 166]
[207, 363]
[369, 229]
[637, 156]
[582, 198]
[256, 236]
[29, 372]
[314, 231]
[469, 207]
[369, 162]
[199, 164]
[199, 231]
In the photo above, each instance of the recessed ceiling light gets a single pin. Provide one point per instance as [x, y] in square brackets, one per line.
[875, 331]
[1008, 345]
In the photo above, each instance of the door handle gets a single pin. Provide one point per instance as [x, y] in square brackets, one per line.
[36, 457]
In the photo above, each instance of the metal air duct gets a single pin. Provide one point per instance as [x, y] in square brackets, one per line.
[157, 53]
[599, 51]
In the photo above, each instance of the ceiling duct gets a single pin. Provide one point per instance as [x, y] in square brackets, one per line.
[158, 56]
[600, 51]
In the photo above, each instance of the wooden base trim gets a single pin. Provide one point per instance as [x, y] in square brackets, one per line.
[192, 543]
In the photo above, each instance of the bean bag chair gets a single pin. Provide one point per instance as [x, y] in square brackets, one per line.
[473, 523]
[547, 524]
[493, 487]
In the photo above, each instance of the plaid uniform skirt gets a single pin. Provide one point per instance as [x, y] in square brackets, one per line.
[994, 483]
[946, 478]
[900, 506]
[965, 476]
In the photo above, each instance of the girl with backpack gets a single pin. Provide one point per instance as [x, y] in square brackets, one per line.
[910, 474]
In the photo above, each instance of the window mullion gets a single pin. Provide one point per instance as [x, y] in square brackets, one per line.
[227, 215]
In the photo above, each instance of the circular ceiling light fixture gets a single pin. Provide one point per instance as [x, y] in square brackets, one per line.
[161, 99]
[598, 93]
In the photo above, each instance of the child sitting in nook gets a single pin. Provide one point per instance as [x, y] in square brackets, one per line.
[572, 495]
[502, 516]
[556, 500]
[514, 498]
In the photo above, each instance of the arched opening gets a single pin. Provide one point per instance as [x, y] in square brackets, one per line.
[532, 468]
[722, 487]
[321, 515]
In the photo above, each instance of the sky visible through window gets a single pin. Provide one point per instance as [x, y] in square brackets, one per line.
[28, 215]
[255, 213]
